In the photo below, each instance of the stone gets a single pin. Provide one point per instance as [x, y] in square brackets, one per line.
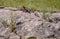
[48, 29]
[6, 32]
[14, 36]
[2, 37]
[11, 9]
[57, 27]
[55, 17]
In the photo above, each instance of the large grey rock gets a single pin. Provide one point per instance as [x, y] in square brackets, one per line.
[30, 24]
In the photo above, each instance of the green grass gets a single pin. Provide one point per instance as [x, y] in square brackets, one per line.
[48, 5]
[46, 15]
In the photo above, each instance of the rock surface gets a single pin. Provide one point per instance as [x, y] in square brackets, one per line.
[29, 25]
[14, 36]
